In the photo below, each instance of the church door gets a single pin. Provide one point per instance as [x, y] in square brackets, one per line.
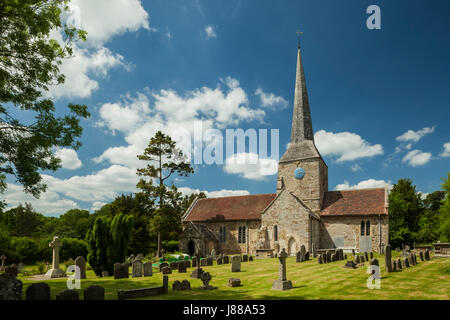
[292, 247]
[191, 248]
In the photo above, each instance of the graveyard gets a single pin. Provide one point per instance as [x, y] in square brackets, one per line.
[310, 280]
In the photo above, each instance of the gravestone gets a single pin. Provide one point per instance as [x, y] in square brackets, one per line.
[282, 283]
[234, 282]
[131, 260]
[121, 270]
[94, 292]
[2, 267]
[55, 271]
[250, 258]
[81, 263]
[406, 262]
[10, 286]
[329, 253]
[300, 256]
[176, 285]
[325, 258]
[148, 270]
[219, 260]
[203, 262]
[166, 270]
[197, 273]
[105, 274]
[345, 256]
[427, 255]
[313, 250]
[366, 256]
[333, 257]
[194, 262]
[353, 252]
[162, 265]
[415, 258]
[213, 254]
[394, 266]
[362, 258]
[68, 294]
[236, 264]
[387, 258]
[371, 255]
[399, 264]
[350, 264]
[136, 269]
[421, 256]
[139, 256]
[374, 262]
[185, 285]
[226, 259]
[357, 259]
[244, 258]
[181, 267]
[319, 259]
[209, 261]
[188, 263]
[206, 278]
[173, 265]
[38, 291]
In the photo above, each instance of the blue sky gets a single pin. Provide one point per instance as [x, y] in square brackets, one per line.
[379, 99]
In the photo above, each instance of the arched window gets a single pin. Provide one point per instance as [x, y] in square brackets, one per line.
[240, 235]
[243, 234]
[362, 227]
[275, 233]
[222, 234]
[367, 228]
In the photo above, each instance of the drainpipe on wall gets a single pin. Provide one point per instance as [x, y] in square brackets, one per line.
[247, 236]
[379, 231]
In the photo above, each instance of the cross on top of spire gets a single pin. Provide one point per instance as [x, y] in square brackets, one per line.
[298, 36]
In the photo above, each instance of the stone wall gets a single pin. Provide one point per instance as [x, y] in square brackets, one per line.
[313, 185]
[292, 220]
[348, 229]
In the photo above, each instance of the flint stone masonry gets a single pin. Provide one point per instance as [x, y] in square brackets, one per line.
[68, 294]
[94, 292]
[81, 263]
[38, 291]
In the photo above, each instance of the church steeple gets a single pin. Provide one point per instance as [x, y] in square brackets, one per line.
[301, 145]
[301, 120]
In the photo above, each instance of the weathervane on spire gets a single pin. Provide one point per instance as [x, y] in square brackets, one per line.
[298, 36]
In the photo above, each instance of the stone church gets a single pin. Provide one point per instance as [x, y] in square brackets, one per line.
[301, 212]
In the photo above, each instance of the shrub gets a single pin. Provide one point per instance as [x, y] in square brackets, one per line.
[72, 248]
[69, 262]
[41, 266]
[171, 246]
[26, 249]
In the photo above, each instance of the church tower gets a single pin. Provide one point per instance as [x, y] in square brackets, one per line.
[301, 170]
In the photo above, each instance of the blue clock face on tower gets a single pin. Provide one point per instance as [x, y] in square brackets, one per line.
[299, 173]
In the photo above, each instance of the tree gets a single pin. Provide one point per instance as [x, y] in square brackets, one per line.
[29, 64]
[405, 209]
[108, 242]
[26, 220]
[444, 212]
[73, 224]
[165, 160]
[430, 221]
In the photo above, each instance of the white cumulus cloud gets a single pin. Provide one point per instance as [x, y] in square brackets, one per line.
[446, 152]
[270, 100]
[415, 136]
[250, 166]
[346, 146]
[366, 184]
[417, 158]
[69, 158]
[210, 32]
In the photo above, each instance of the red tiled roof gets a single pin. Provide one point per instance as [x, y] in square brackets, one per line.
[354, 202]
[229, 208]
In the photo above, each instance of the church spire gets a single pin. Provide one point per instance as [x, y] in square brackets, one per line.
[301, 145]
[301, 120]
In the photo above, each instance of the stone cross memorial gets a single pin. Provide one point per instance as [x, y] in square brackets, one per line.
[282, 283]
[55, 271]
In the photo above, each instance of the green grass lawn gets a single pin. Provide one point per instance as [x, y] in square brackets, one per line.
[426, 280]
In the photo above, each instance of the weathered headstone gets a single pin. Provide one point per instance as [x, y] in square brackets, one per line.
[366, 256]
[313, 250]
[121, 270]
[387, 258]
[20, 267]
[362, 258]
[399, 264]
[325, 258]
[406, 262]
[394, 266]
[105, 274]
[319, 259]
[81, 263]
[68, 294]
[139, 256]
[181, 267]
[333, 257]
[374, 262]
[148, 269]
[371, 255]
[185, 285]
[282, 283]
[350, 264]
[136, 269]
[236, 264]
[300, 256]
[421, 256]
[234, 282]
[166, 270]
[165, 285]
[197, 273]
[213, 254]
[162, 265]
[176, 285]
[226, 259]
[345, 256]
[357, 259]
[38, 291]
[173, 265]
[206, 278]
[55, 271]
[209, 261]
[250, 258]
[329, 253]
[10, 286]
[219, 260]
[427, 255]
[94, 292]
[244, 258]
[353, 252]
